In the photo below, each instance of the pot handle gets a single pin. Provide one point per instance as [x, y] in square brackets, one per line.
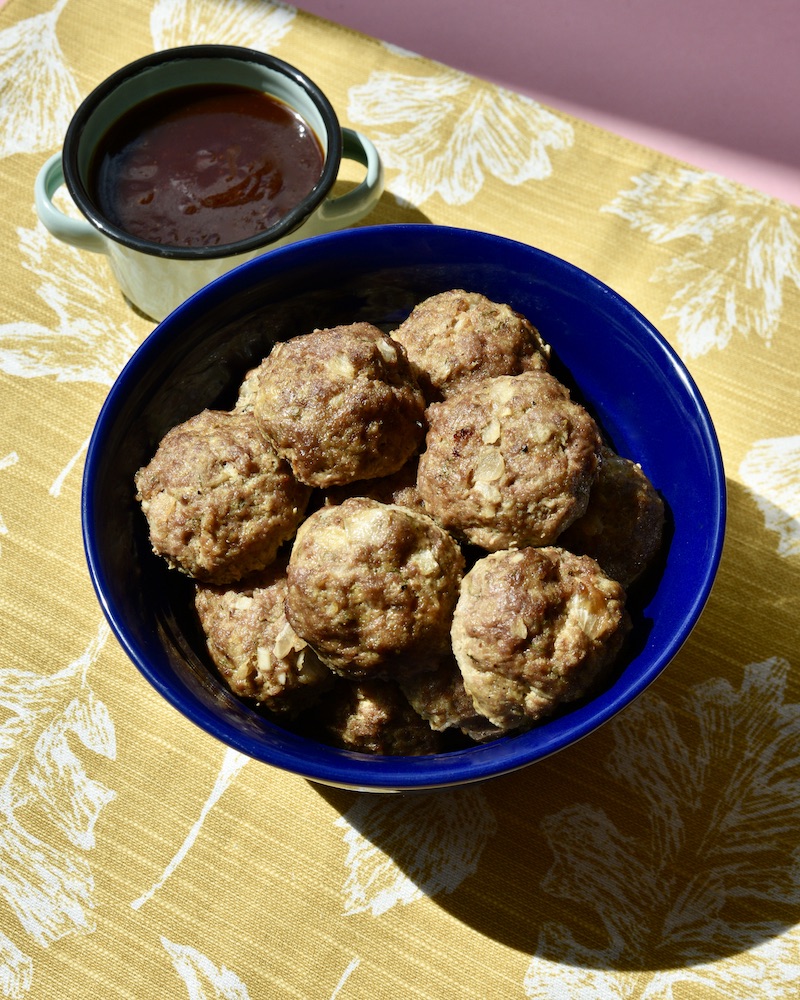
[77, 232]
[347, 209]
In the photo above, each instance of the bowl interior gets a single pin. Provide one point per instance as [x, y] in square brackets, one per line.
[613, 359]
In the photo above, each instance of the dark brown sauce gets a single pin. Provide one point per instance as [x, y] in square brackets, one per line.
[204, 166]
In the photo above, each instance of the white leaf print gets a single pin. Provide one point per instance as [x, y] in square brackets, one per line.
[85, 345]
[747, 977]
[203, 979]
[70, 798]
[58, 482]
[428, 844]
[729, 269]
[48, 884]
[48, 889]
[767, 972]
[550, 980]
[348, 972]
[712, 872]
[38, 94]
[232, 764]
[771, 472]
[234, 22]
[6, 462]
[437, 149]
[16, 970]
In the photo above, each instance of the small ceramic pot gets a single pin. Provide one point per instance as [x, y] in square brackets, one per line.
[155, 277]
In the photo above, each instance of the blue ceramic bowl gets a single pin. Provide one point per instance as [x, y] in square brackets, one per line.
[622, 369]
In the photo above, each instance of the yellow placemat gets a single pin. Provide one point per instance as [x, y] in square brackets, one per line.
[655, 860]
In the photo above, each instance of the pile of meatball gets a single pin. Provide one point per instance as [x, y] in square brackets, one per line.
[398, 538]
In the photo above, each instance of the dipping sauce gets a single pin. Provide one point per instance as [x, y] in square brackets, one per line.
[205, 165]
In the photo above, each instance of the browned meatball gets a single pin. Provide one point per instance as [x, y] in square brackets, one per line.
[339, 404]
[510, 463]
[623, 526]
[255, 648]
[456, 338]
[218, 500]
[372, 716]
[372, 588]
[533, 629]
[399, 488]
[439, 697]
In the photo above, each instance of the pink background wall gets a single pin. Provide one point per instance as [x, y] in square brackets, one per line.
[714, 82]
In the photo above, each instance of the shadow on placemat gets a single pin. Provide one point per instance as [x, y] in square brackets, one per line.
[661, 842]
[388, 211]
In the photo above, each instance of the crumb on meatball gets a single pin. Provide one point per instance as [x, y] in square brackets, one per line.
[338, 404]
[623, 525]
[459, 337]
[535, 628]
[509, 464]
[372, 587]
[218, 500]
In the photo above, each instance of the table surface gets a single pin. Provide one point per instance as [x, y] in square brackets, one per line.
[657, 858]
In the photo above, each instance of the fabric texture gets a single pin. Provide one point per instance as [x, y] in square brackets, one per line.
[140, 858]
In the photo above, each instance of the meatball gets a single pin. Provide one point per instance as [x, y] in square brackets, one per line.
[457, 338]
[509, 464]
[339, 404]
[254, 647]
[534, 628]
[399, 488]
[218, 500]
[439, 697]
[372, 716]
[372, 588]
[623, 526]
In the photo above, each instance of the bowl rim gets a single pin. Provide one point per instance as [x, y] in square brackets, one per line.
[347, 769]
